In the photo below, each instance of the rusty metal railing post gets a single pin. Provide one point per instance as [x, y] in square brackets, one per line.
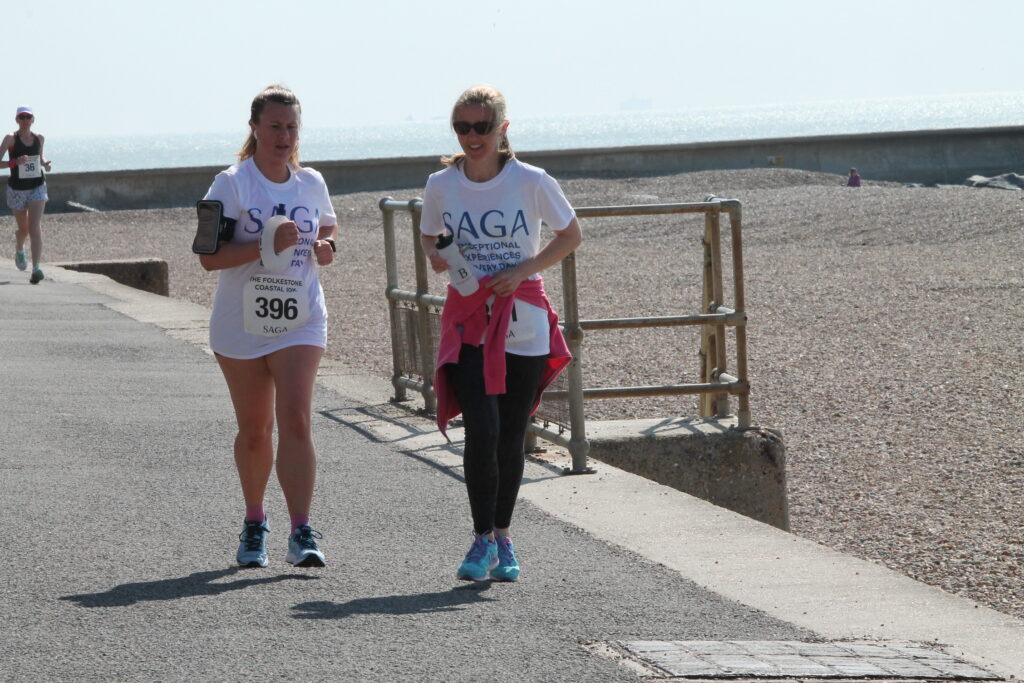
[391, 268]
[579, 446]
[735, 212]
[707, 333]
[428, 353]
[720, 401]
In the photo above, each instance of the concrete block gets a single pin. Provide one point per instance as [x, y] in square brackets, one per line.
[149, 275]
[743, 470]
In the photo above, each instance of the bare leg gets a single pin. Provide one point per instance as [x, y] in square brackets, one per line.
[21, 231]
[294, 373]
[252, 393]
[35, 230]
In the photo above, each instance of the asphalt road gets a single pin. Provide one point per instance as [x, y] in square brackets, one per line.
[121, 509]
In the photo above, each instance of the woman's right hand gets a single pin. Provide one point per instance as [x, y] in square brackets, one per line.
[437, 262]
[287, 235]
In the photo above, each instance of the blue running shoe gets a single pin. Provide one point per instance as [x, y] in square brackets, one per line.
[302, 548]
[508, 565]
[481, 558]
[37, 276]
[20, 261]
[252, 549]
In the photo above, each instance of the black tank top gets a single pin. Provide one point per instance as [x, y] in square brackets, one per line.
[15, 180]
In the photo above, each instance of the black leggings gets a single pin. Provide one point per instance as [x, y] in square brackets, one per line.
[493, 457]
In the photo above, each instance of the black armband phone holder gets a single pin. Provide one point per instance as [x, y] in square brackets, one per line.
[212, 228]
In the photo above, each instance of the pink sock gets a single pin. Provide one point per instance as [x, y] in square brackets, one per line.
[299, 520]
[255, 513]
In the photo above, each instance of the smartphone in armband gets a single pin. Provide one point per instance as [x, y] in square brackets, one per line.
[212, 227]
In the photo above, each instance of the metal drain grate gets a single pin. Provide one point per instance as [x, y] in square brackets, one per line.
[765, 660]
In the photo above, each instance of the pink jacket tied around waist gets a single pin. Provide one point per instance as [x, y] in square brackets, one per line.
[470, 314]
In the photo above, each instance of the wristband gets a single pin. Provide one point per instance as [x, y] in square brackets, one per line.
[330, 241]
[12, 163]
[271, 260]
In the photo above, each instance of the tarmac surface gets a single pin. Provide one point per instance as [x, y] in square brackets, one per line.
[122, 507]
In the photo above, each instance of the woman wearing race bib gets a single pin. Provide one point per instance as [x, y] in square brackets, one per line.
[268, 328]
[500, 346]
[26, 189]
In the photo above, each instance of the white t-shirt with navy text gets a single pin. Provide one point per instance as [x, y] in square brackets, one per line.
[497, 225]
[251, 199]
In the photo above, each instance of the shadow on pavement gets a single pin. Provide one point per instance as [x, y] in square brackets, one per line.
[193, 585]
[418, 603]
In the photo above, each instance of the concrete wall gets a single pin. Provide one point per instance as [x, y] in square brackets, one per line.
[147, 274]
[743, 470]
[938, 156]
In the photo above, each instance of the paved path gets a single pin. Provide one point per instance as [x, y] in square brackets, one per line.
[121, 508]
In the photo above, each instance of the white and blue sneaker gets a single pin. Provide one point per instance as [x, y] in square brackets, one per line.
[508, 565]
[20, 261]
[252, 549]
[302, 548]
[481, 558]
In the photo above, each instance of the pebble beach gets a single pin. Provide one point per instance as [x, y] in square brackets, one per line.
[884, 341]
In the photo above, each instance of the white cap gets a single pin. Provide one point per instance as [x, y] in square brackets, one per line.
[25, 110]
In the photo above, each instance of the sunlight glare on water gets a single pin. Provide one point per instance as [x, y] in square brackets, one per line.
[619, 129]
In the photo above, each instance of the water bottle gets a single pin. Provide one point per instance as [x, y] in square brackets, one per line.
[276, 262]
[459, 272]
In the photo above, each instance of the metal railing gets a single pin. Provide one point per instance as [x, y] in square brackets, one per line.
[415, 318]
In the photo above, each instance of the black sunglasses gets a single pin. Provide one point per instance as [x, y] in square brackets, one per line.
[25, 116]
[480, 127]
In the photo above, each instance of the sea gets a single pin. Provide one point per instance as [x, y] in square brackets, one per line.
[632, 125]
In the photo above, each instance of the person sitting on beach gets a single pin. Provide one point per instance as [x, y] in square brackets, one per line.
[26, 189]
[854, 179]
[268, 328]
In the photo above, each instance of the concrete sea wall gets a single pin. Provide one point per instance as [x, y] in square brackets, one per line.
[931, 156]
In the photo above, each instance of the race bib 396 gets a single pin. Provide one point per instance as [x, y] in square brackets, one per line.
[275, 305]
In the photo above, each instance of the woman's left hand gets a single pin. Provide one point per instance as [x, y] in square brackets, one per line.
[46, 165]
[507, 281]
[324, 253]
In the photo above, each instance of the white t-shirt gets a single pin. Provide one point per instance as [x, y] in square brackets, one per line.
[496, 226]
[251, 199]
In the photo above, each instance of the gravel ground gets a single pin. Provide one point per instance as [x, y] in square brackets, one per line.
[884, 341]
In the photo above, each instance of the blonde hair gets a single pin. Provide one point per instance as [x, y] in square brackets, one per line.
[490, 98]
[272, 93]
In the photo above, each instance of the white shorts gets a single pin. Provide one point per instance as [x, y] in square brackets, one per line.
[17, 200]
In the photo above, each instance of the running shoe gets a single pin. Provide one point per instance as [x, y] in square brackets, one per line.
[37, 275]
[508, 565]
[252, 549]
[302, 548]
[20, 260]
[481, 558]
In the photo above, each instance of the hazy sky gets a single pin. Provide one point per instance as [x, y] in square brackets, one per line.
[186, 66]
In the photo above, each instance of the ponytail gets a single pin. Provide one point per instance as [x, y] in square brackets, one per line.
[272, 93]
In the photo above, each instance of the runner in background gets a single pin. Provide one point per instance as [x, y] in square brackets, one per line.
[26, 189]
[268, 328]
[500, 346]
